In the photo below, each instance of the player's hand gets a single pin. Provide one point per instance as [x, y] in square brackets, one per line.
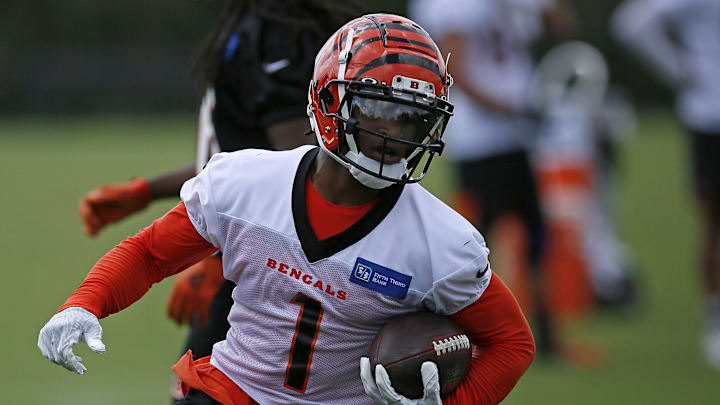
[194, 291]
[381, 391]
[65, 330]
[113, 202]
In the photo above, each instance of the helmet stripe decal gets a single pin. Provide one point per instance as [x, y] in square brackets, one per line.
[396, 39]
[434, 52]
[365, 43]
[395, 26]
[401, 59]
[410, 41]
[358, 30]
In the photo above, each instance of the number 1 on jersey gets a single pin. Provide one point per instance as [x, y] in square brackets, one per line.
[303, 343]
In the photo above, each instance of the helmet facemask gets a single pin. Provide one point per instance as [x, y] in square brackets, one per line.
[385, 131]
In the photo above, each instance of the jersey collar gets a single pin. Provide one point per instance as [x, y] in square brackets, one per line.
[315, 249]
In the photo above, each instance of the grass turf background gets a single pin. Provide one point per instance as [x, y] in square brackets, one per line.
[46, 164]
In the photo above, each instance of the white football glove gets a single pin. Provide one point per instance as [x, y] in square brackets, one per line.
[66, 329]
[382, 393]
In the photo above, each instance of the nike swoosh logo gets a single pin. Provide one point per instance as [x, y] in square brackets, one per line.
[272, 67]
[481, 273]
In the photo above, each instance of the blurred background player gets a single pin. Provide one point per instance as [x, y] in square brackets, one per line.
[583, 119]
[254, 68]
[493, 126]
[680, 41]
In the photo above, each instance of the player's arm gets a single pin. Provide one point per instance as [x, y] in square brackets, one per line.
[120, 278]
[640, 25]
[495, 324]
[124, 274]
[113, 202]
[168, 184]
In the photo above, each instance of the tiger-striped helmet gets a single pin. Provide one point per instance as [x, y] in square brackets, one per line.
[381, 67]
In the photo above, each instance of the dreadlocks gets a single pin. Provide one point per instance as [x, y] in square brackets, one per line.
[320, 17]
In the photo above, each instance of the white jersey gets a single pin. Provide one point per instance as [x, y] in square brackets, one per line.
[304, 310]
[694, 64]
[498, 34]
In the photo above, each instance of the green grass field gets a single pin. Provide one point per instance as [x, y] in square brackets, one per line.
[650, 356]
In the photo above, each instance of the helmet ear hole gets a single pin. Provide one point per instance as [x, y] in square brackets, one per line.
[326, 96]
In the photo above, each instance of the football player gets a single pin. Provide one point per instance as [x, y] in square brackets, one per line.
[574, 159]
[326, 244]
[255, 66]
[489, 43]
[689, 61]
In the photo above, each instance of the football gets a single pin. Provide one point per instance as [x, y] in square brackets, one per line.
[407, 341]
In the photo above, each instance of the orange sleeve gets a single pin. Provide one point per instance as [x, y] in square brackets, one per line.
[496, 326]
[127, 272]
